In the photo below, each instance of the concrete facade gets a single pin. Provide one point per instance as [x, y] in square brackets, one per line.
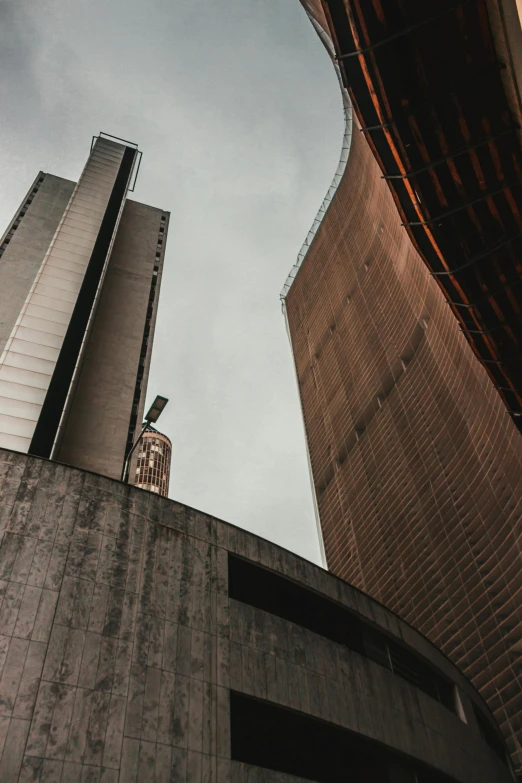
[38, 362]
[80, 274]
[417, 466]
[120, 647]
[96, 431]
[28, 244]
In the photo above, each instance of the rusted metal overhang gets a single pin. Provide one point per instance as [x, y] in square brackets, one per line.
[427, 86]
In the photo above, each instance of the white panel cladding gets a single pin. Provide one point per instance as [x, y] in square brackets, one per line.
[31, 353]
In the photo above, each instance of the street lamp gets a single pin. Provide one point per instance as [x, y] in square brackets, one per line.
[153, 414]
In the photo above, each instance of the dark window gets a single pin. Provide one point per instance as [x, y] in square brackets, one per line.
[490, 734]
[383, 650]
[266, 590]
[272, 737]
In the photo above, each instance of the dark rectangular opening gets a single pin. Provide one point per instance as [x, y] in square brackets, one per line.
[277, 738]
[266, 735]
[490, 735]
[266, 590]
[402, 662]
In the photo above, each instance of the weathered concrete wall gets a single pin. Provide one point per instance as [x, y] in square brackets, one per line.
[119, 643]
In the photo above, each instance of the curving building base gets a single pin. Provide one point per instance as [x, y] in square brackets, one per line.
[143, 641]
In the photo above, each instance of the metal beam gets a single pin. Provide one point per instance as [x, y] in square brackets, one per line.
[485, 300]
[452, 156]
[376, 127]
[401, 33]
[483, 197]
[480, 256]
[502, 325]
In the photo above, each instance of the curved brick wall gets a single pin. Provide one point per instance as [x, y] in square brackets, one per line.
[119, 645]
[416, 464]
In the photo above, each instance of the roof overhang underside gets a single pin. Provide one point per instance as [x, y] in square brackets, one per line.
[426, 84]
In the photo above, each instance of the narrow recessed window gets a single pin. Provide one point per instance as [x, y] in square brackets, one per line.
[490, 733]
[266, 735]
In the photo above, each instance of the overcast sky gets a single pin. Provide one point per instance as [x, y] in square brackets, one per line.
[238, 113]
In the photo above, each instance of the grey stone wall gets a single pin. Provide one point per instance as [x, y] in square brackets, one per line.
[23, 256]
[118, 644]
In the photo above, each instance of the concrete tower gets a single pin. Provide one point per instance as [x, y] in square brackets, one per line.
[79, 283]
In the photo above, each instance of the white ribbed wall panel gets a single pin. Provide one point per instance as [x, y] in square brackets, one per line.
[31, 353]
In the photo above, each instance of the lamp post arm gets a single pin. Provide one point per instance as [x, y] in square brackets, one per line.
[129, 455]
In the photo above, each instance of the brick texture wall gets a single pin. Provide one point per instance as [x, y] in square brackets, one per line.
[416, 464]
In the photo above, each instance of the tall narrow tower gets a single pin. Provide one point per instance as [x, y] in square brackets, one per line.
[153, 463]
[79, 283]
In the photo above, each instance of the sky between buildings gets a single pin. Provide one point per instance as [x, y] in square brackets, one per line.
[238, 113]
